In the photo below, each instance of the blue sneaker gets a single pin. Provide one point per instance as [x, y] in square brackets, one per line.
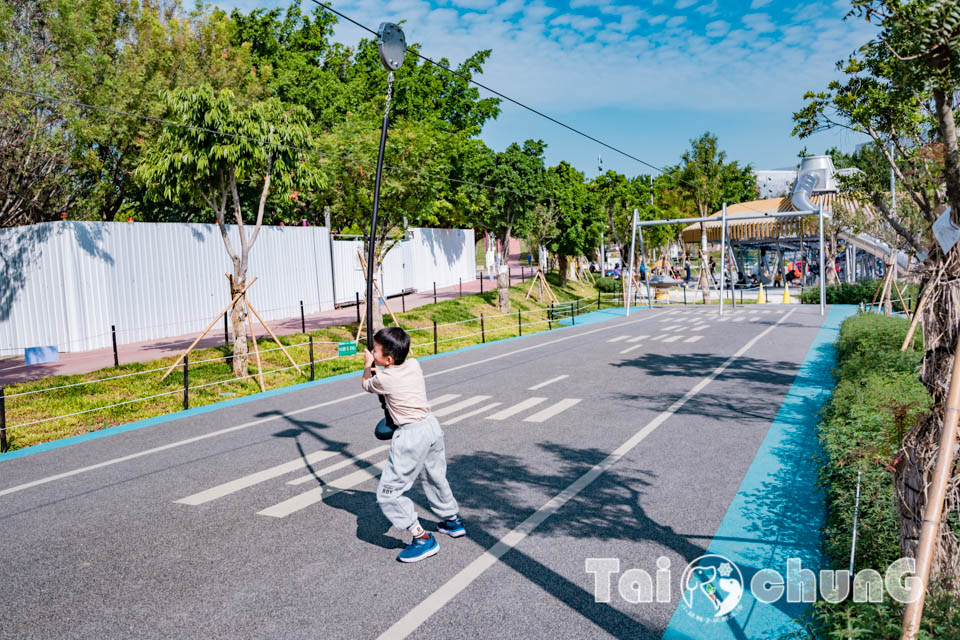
[452, 527]
[419, 549]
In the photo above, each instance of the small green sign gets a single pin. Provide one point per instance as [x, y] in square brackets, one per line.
[348, 348]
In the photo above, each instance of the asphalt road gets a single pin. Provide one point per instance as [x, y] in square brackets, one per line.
[630, 448]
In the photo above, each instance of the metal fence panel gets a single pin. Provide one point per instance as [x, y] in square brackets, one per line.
[65, 283]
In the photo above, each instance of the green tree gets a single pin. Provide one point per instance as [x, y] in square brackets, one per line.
[229, 160]
[900, 89]
[577, 224]
[517, 176]
[708, 181]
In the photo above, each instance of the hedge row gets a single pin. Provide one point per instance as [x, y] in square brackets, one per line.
[864, 291]
[878, 397]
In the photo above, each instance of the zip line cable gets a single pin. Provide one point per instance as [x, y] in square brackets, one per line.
[361, 163]
[516, 102]
[265, 142]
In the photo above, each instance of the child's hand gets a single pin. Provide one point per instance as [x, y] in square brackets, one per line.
[367, 358]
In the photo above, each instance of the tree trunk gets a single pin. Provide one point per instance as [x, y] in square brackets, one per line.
[238, 320]
[503, 289]
[941, 329]
[704, 281]
[564, 269]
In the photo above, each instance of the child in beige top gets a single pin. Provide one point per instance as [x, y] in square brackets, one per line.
[416, 449]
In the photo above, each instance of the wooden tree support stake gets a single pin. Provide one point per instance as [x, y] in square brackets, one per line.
[363, 265]
[209, 326]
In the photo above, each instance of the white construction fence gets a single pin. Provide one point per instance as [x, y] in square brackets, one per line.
[66, 283]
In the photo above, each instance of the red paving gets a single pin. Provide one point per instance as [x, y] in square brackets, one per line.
[14, 370]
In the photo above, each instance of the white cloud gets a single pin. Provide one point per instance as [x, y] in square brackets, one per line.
[759, 22]
[676, 21]
[717, 28]
[708, 9]
[473, 4]
[683, 4]
[756, 4]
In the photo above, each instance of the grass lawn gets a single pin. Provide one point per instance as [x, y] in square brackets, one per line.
[145, 395]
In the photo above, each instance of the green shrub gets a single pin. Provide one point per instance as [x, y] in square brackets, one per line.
[606, 284]
[864, 291]
[878, 398]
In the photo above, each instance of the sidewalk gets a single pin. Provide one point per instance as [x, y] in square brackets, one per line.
[14, 370]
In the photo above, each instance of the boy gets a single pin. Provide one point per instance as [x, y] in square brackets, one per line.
[416, 448]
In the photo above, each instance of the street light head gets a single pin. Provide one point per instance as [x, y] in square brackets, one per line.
[392, 45]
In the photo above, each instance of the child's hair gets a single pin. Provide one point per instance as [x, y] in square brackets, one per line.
[393, 341]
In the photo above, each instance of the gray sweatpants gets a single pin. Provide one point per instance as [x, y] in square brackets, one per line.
[416, 450]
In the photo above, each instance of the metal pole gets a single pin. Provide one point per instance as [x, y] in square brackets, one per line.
[358, 307]
[371, 254]
[519, 322]
[483, 331]
[550, 318]
[403, 301]
[434, 337]
[186, 382]
[723, 252]
[633, 237]
[303, 320]
[823, 273]
[333, 275]
[434, 292]
[461, 287]
[226, 337]
[116, 358]
[312, 369]
[3, 420]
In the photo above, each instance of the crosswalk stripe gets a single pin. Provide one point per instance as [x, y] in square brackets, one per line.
[618, 339]
[737, 319]
[447, 397]
[313, 496]
[693, 338]
[701, 327]
[636, 339]
[470, 414]
[633, 348]
[254, 478]
[339, 465]
[457, 406]
[546, 382]
[660, 337]
[552, 410]
[672, 338]
[515, 409]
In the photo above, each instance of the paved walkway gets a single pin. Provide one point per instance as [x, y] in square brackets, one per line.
[13, 371]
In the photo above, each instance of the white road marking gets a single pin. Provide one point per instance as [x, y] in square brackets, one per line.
[287, 414]
[448, 591]
[633, 348]
[457, 406]
[552, 410]
[701, 327]
[340, 465]
[470, 414]
[313, 496]
[737, 319]
[546, 382]
[447, 397]
[673, 338]
[693, 338]
[254, 478]
[660, 337]
[618, 338]
[636, 339]
[515, 409]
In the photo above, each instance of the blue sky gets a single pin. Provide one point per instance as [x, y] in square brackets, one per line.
[645, 77]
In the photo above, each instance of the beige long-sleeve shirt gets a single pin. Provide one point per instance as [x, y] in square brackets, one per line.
[404, 389]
